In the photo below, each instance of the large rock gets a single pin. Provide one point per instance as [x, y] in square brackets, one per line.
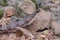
[42, 20]
[56, 27]
[13, 2]
[47, 4]
[11, 36]
[55, 13]
[27, 6]
[24, 7]
[56, 17]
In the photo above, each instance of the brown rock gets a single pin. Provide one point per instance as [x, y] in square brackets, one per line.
[9, 11]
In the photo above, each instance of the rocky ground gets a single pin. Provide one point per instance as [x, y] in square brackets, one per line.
[29, 19]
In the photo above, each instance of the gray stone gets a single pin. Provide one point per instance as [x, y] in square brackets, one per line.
[55, 13]
[27, 6]
[42, 20]
[56, 27]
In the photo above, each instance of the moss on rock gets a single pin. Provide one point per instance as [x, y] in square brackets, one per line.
[1, 14]
[3, 3]
[34, 1]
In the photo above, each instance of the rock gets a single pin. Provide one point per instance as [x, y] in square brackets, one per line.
[27, 6]
[22, 38]
[13, 2]
[1, 12]
[47, 4]
[55, 13]
[57, 39]
[11, 36]
[55, 25]
[9, 11]
[55, 17]
[3, 2]
[42, 20]
[49, 34]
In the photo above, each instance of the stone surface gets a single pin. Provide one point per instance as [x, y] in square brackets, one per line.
[48, 18]
[55, 23]
[8, 37]
[56, 27]
[27, 6]
[57, 39]
[9, 11]
[41, 21]
[55, 13]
